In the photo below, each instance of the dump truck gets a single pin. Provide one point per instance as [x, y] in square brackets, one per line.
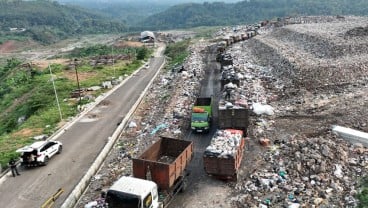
[202, 114]
[222, 158]
[159, 173]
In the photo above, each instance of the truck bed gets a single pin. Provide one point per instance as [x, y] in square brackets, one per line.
[164, 161]
[236, 118]
[223, 157]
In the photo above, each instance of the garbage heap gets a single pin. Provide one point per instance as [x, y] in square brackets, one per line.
[224, 144]
[303, 163]
[322, 172]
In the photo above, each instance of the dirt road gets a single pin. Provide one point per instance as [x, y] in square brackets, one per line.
[204, 191]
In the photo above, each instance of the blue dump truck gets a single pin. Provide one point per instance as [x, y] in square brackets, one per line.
[202, 114]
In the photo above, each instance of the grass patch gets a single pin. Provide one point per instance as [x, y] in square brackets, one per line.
[205, 32]
[363, 194]
[5, 38]
[177, 52]
[28, 105]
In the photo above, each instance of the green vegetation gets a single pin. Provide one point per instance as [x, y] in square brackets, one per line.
[363, 195]
[247, 12]
[5, 38]
[205, 32]
[27, 101]
[48, 21]
[177, 52]
[98, 50]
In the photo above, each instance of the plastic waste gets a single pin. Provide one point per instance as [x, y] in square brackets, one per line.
[338, 171]
[132, 124]
[161, 126]
[260, 109]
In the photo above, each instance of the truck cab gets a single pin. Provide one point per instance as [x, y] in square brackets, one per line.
[133, 192]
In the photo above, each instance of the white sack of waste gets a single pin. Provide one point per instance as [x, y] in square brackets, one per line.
[132, 124]
[260, 109]
[338, 171]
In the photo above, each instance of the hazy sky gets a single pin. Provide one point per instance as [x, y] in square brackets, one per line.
[157, 1]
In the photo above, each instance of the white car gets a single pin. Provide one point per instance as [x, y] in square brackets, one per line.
[39, 152]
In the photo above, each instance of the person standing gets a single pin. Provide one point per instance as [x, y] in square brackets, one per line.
[13, 167]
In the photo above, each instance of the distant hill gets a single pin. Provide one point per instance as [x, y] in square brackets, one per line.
[129, 13]
[250, 11]
[47, 21]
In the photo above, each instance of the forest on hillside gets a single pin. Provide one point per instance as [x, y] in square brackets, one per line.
[245, 12]
[48, 21]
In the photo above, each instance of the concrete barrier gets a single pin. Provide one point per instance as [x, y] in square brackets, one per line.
[351, 135]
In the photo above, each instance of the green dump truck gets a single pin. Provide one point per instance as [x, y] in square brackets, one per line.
[202, 114]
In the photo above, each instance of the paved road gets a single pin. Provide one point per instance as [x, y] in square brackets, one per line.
[81, 144]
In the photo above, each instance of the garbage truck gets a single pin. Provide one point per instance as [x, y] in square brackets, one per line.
[222, 158]
[159, 173]
[202, 114]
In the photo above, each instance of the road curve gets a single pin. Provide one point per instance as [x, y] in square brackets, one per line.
[82, 142]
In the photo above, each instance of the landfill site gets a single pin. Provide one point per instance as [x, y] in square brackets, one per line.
[304, 83]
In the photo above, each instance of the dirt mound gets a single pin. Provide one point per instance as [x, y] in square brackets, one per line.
[7, 47]
[123, 44]
[42, 64]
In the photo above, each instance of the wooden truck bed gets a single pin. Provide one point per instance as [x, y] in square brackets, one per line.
[164, 161]
[223, 166]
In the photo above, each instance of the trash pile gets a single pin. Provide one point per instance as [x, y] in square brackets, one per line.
[296, 102]
[224, 144]
[165, 110]
[311, 57]
[305, 172]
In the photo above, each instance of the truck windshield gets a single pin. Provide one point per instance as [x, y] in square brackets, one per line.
[118, 200]
[199, 117]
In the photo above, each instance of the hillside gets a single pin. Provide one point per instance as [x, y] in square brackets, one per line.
[27, 96]
[48, 22]
[244, 12]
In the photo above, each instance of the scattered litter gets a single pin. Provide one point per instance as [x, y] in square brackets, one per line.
[132, 124]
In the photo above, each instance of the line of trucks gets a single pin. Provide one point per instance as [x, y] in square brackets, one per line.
[160, 173]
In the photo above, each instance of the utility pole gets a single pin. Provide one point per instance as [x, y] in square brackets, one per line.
[112, 55]
[76, 74]
[57, 99]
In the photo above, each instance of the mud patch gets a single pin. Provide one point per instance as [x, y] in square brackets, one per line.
[8, 46]
[89, 118]
[104, 103]
[43, 64]
[123, 44]
[28, 132]
[81, 75]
